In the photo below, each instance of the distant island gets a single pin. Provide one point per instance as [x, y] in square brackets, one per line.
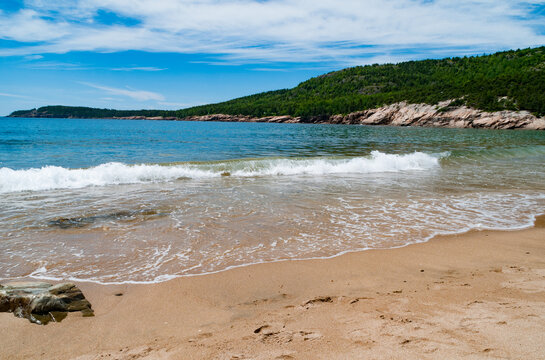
[503, 90]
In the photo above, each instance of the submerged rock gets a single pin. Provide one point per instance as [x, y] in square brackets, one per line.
[79, 222]
[42, 302]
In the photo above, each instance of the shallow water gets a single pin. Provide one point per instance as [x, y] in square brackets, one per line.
[144, 201]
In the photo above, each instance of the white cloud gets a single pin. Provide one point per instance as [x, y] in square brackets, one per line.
[34, 57]
[55, 65]
[139, 95]
[28, 26]
[14, 96]
[284, 30]
[139, 68]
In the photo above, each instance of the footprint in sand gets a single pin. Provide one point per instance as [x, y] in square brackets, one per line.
[278, 334]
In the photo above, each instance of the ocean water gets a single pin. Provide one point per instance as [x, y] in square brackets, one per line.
[114, 201]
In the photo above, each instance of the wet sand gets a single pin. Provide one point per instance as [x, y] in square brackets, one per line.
[475, 295]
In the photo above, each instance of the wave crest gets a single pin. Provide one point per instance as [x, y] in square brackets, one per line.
[114, 173]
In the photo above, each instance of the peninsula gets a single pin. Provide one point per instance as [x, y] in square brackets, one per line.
[505, 90]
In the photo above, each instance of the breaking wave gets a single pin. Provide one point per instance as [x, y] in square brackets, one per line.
[114, 173]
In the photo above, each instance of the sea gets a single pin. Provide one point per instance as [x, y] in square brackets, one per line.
[140, 201]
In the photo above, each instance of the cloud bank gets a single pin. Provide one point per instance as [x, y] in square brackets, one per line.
[242, 31]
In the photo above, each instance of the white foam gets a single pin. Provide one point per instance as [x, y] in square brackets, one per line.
[55, 177]
[377, 162]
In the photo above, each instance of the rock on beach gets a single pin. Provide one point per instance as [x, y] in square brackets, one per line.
[42, 302]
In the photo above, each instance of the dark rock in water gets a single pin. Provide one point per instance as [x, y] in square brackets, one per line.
[41, 302]
[79, 222]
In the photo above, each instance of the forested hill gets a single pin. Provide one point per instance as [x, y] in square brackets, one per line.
[81, 112]
[510, 80]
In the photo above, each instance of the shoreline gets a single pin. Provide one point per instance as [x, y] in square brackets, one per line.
[441, 115]
[233, 267]
[440, 298]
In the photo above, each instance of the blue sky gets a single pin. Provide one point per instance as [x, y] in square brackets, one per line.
[170, 54]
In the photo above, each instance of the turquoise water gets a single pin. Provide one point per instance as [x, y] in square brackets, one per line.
[144, 201]
[75, 143]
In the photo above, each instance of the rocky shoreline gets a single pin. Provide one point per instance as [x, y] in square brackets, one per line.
[398, 114]
[403, 114]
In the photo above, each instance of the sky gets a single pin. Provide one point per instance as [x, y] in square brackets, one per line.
[172, 54]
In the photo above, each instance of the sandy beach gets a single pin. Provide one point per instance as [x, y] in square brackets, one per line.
[254, 179]
[475, 295]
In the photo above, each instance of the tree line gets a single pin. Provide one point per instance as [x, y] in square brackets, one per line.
[509, 80]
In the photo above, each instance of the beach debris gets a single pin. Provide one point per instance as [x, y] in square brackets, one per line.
[41, 302]
[270, 329]
[360, 298]
[321, 299]
[258, 330]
